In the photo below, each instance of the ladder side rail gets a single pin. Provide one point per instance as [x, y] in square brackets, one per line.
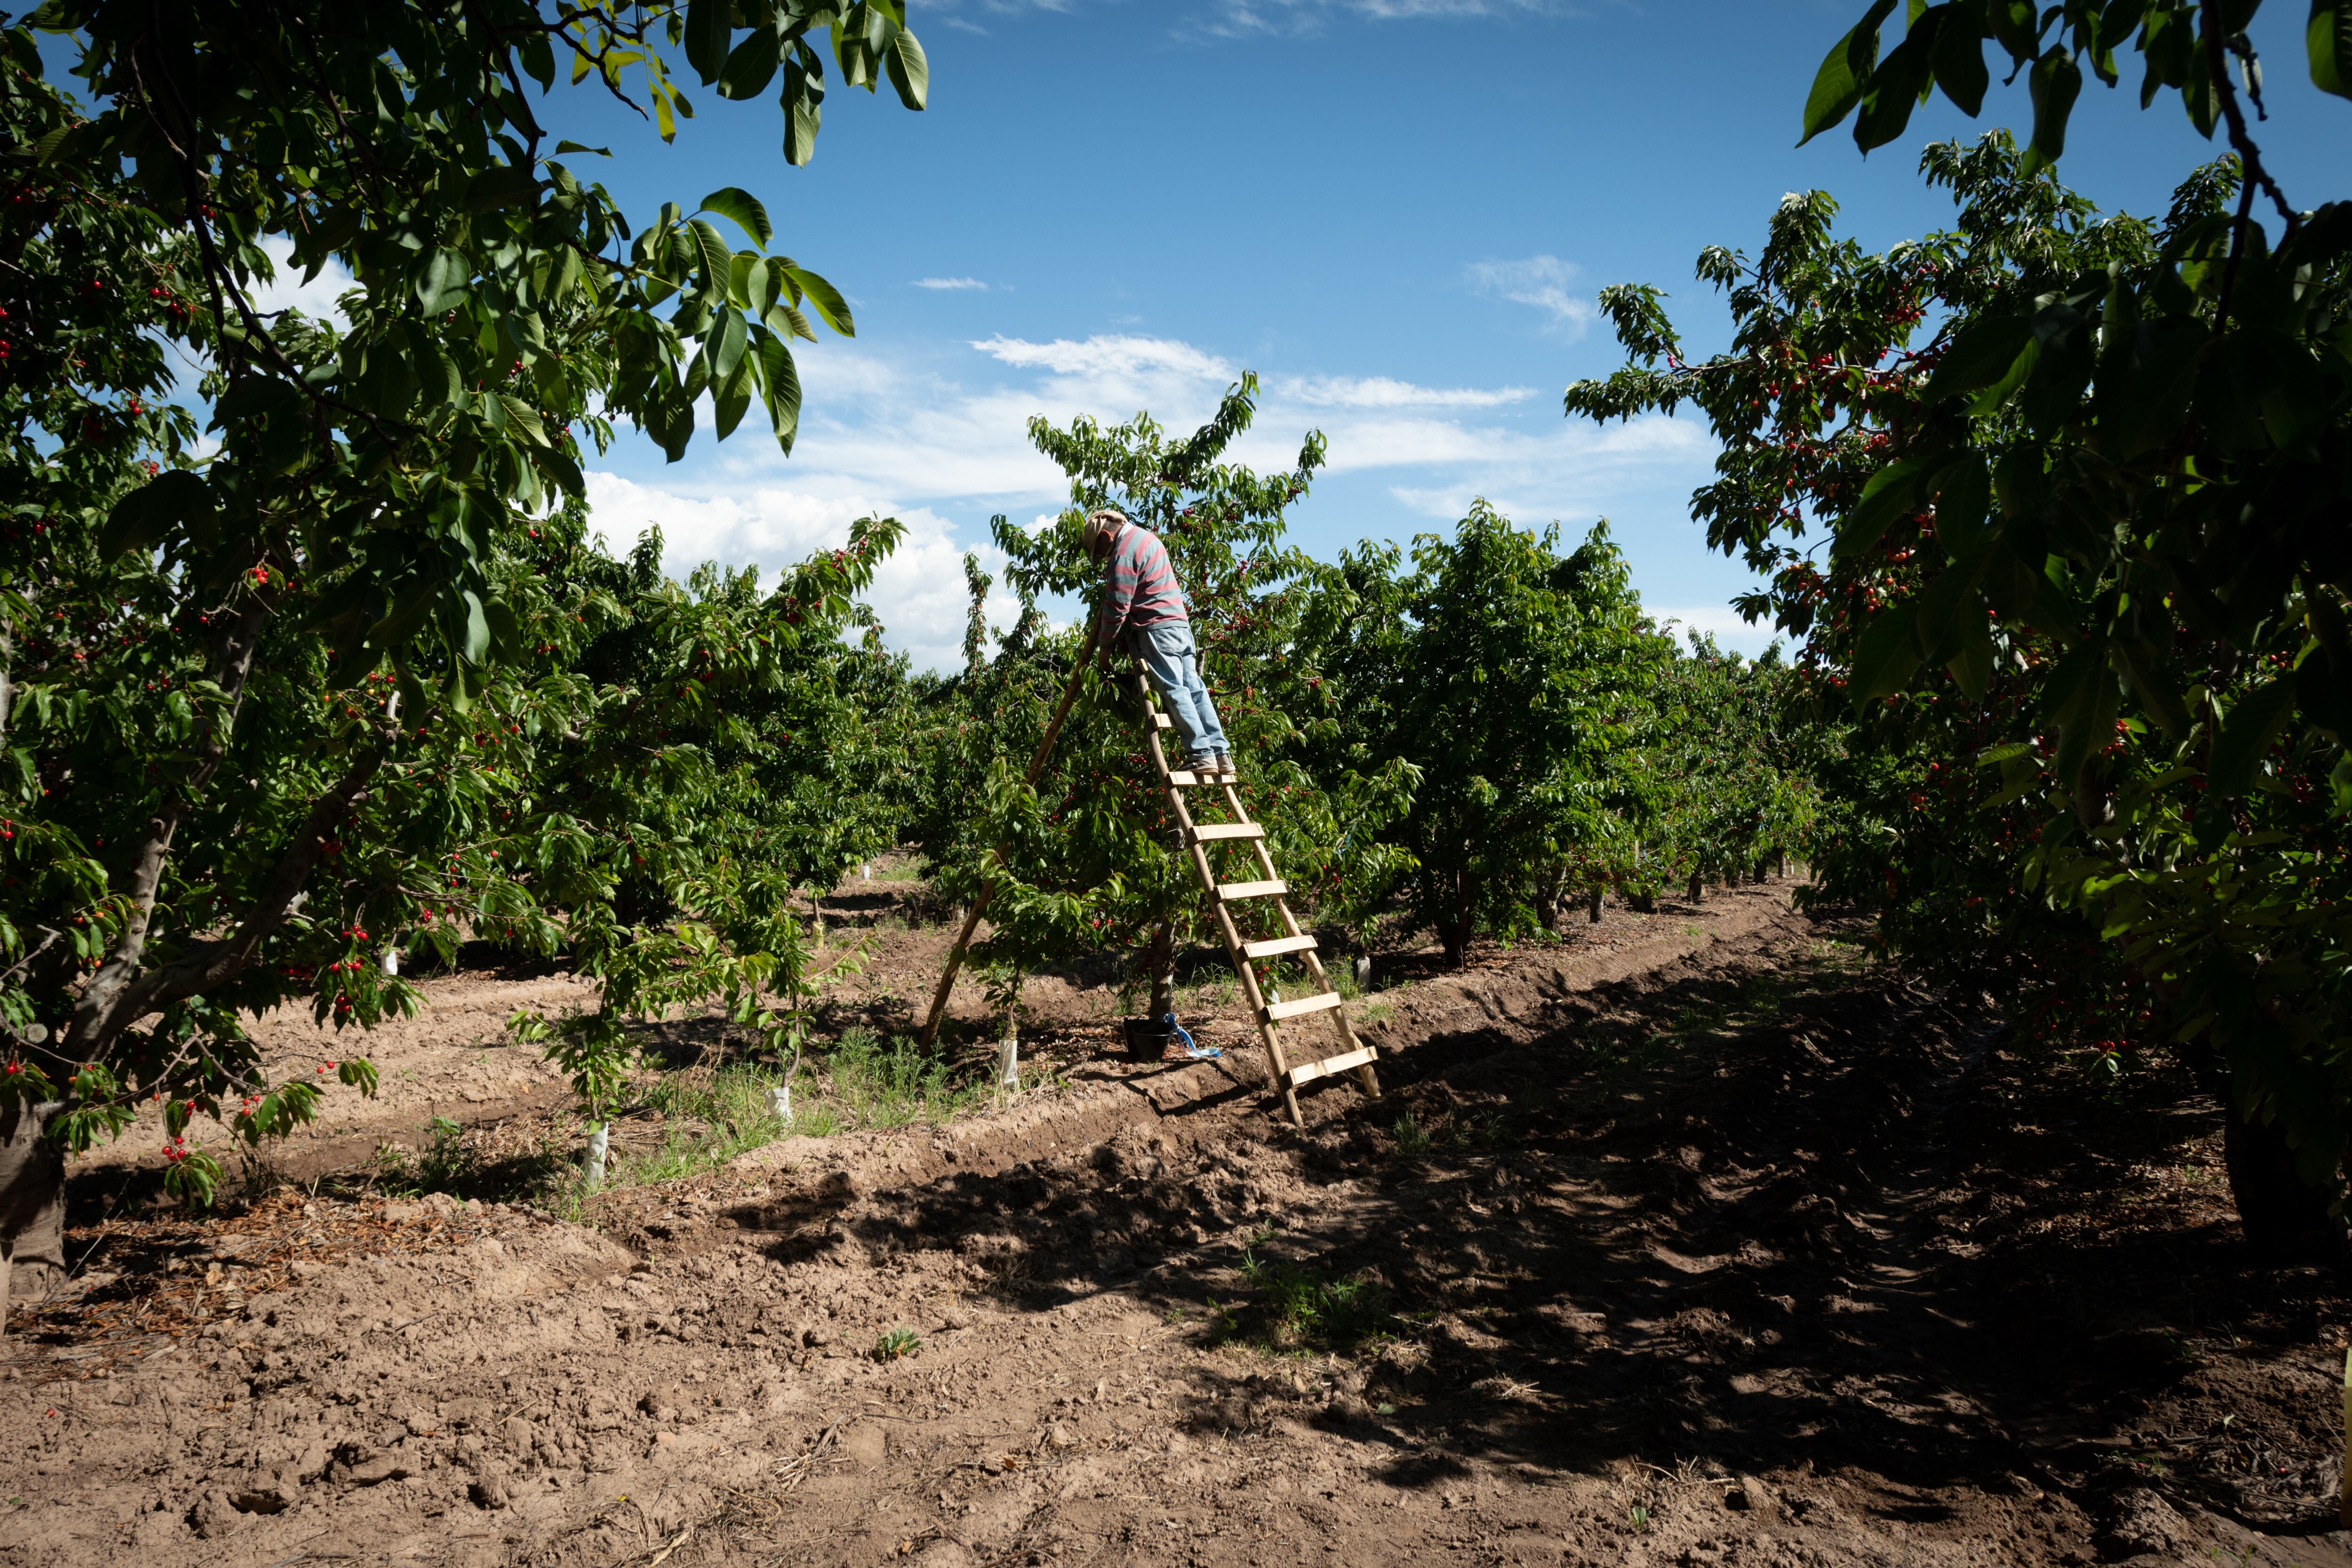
[1366, 1077]
[1267, 1031]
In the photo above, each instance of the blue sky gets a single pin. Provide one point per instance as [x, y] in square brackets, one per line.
[1395, 211]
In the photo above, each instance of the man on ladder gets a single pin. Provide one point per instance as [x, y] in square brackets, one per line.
[1143, 604]
[1143, 601]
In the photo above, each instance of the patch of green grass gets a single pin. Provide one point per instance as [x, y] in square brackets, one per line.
[873, 1083]
[1293, 1306]
[445, 1160]
[704, 1124]
[1412, 1142]
[1490, 1130]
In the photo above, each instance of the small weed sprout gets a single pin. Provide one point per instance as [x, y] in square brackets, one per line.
[897, 1344]
[1639, 1517]
[445, 1160]
[1292, 1306]
[1412, 1142]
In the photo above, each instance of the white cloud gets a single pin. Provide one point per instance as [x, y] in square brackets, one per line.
[1381, 392]
[950, 283]
[1101, 357]
[1721, 621]
[1260, 18]
[943, 444]
[1541, 281]
[1253, 18]
[288, 290]
[919, 592]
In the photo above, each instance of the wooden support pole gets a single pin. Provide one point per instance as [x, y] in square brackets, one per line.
[980, 900]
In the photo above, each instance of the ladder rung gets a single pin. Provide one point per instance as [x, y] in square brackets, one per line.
[1280, 945]
[1180, 777]
[1252, 890]
[1228, 830]
[1281, 1010]
[1161, 721]
[1360, 1056]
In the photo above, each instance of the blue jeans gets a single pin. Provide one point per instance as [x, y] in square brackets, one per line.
[1166, 652]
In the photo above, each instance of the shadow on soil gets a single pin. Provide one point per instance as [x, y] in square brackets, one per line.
[1766, 1219]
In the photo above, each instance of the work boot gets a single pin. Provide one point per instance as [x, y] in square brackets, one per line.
[1202, 764]
[1226, 766]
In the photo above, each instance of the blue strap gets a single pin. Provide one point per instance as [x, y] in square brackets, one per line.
[1195, 1052]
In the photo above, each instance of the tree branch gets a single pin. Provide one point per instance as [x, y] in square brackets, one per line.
[213, 963]
[87, 1033]
[2249, 156]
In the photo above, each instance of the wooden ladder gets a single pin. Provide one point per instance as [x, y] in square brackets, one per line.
[1354, 1056]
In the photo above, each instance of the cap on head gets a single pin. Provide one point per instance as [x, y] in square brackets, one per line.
[1100, 526]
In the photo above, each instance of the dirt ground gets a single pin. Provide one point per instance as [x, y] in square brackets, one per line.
[1700, 1240]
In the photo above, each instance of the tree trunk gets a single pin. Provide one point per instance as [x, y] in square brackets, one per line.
[1697, 889]
[1455, 934]
[1593, 909]
[2284, 1220]
[32, 1205]
[1159, 962]
[1548, 898]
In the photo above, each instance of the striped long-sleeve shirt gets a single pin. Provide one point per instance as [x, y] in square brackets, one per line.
[1139, 589]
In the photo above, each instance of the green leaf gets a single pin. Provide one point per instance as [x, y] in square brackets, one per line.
[566, 473]
[708, 30]
[802, 93]
[1959, 62]
[442, 280]
[729, 351]
[538, 58]
[2328, 40]
[1980, 355]
[2246, 735]
[729, 405]
[2158, 692]
[2054, 85]
[909, 72]
[146, 517]
[1963, 502]
[826, 299]
[1950, 609]
[717, 260]
[251, 398]
[789, 322]
[501, 185]
[2017, 25]
[1896, 86]
[1972, 665]
[741, 206]
[751, 66]
[1887, 654]
[1893, 491]
[522, 420]
[2143, 390]
[783, 390]
[1838, 85]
